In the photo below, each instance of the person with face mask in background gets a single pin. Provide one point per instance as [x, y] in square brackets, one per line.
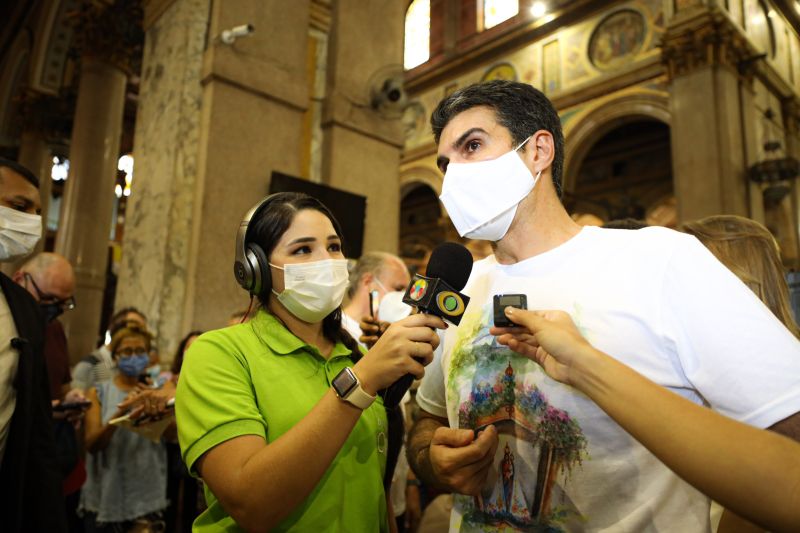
[127, 473]
[280, 416]
[49, 278]
[30, 478]
[376, 273]
[376, 281]
[521, 450]
[98, 366]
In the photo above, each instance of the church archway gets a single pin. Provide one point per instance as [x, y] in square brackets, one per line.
[421, 227]
[626, 173]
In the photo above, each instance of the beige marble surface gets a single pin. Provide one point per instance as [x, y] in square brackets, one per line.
[155, 259]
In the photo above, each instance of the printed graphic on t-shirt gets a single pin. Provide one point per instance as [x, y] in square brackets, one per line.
[539, 443]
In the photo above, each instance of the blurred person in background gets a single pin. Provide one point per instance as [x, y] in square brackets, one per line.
[99, 365]
[751, 252]
[127, 473]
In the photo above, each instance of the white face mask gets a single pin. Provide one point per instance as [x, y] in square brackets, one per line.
[19, 233]
[392, 307]
[312, 291]
[482, 198]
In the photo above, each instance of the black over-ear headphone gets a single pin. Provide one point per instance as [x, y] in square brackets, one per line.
[251, 266]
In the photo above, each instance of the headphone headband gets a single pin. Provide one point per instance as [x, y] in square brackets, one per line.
[251, 266]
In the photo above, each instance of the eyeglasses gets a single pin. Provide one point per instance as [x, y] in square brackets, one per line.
[128, 352]
[67, 304]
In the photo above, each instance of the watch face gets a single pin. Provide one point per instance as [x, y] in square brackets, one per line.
[344, 382]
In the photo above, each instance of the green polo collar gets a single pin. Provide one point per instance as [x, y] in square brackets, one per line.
[284, 342]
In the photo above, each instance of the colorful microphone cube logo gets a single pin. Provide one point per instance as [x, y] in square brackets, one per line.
[418, 290]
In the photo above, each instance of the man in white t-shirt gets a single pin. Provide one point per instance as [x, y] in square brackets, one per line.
[378, 272]
[521, 451]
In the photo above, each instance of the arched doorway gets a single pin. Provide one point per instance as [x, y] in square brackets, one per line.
[626, 173]
[420, 224]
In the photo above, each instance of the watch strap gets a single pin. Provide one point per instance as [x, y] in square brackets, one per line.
[358, 396]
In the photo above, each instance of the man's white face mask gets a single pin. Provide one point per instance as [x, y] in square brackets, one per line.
[482, 198]
[19, 233]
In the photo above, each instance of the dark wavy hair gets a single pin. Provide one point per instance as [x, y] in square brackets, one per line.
[266, 230]
[177, 361]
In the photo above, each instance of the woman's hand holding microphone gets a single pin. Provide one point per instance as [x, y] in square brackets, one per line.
[406, 347]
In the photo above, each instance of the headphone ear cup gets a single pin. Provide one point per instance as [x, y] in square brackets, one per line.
[260, 263]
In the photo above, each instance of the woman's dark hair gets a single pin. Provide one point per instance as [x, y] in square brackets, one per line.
[266, 230]
[177, 361]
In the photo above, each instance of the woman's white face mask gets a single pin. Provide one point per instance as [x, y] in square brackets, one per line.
[482, 198]
[313, 290]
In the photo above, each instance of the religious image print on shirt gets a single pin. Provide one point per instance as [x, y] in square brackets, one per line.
[539, 443]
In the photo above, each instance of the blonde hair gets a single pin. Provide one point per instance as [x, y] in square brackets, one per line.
[750, 251]
[131, 330]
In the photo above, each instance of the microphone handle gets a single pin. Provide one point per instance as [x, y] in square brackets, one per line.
[393, 394]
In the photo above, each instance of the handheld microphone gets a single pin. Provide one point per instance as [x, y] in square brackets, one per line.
[437, 294]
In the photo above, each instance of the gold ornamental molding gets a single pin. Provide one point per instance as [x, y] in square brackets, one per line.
[320, 15]
[48, 115]
[111, 31]
[706, 39]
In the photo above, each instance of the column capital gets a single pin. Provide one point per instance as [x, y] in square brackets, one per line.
[110, 31]
[707, 38]
[49, 115]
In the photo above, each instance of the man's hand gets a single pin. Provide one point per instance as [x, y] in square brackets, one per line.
[372, 330]
[74, 416]
[462, 461]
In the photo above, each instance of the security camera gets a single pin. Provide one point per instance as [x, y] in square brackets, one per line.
[228, 36]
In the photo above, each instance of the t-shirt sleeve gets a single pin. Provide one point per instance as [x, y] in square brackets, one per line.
[215, 401]
[431, 394]
[732, 349]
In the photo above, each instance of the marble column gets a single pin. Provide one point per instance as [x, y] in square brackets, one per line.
[89, 195]
[159, 223]
[361, 148]
[702, 53]
[215, 119]
[35, 154]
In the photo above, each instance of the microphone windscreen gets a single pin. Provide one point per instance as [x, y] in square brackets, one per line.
[450, 262]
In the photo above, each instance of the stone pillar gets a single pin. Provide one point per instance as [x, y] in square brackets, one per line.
[89, 196]
[362, 147]
[108, 39]
[35, 154]
[158, 227]
[214, 121]
[702, 52]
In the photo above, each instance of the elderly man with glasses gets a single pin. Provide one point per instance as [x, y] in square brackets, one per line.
[49, 278]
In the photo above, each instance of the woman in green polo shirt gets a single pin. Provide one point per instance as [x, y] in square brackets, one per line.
[277, 415]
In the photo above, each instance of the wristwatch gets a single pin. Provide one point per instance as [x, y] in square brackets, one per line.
[348, 388]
